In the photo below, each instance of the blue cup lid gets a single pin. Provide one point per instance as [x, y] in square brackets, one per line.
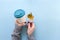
[19, 13]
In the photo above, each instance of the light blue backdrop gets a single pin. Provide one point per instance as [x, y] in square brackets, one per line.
[46, 12]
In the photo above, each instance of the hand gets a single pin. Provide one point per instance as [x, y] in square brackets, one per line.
[20, 24]
[30, 30]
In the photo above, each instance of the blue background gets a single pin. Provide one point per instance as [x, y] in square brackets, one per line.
[46, 12]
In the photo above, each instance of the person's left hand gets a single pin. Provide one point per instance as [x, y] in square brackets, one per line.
[20, 24]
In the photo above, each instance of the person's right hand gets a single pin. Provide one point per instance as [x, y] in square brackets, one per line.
[30, 28]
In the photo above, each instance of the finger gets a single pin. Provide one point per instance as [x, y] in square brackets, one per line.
[23, 23]
[28, 25]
